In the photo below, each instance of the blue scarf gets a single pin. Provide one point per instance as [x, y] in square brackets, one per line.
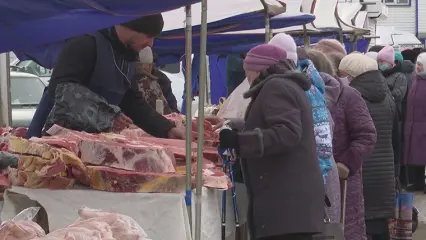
[322, 127]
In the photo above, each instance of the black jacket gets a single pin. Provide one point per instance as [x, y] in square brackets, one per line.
[378, 168]
[76, 64]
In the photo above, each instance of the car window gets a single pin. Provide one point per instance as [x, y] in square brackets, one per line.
[26, 90]
[29, 66]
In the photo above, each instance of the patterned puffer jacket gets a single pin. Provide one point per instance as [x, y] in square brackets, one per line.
[322, 129]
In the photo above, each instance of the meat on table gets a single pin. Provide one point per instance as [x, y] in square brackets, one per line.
[108, 162]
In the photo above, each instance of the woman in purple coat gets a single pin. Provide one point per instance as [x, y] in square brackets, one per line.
[415, 122]
[354, 137]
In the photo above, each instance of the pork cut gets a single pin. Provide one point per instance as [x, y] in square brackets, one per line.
[136, 156]
[118, 180]
[32, 180]
[177, 146]
[211, 138]
[36, 172]
[43, 166]
[18, 132]
[59, 142]
[122, 226]
[97, 225]
[20, 230]
[25, 147]
[141, 158]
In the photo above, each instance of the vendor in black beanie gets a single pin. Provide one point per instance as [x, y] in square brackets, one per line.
[104, 62]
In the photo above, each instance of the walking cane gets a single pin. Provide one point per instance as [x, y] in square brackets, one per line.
[223, 205]
[228, 157]
[344, 188]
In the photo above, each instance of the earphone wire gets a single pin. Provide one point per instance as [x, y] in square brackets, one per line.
[116, 65]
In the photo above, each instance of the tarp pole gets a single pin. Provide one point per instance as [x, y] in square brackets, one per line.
[208, 82]
[188, 113]
[5, 107]
[306, 38]
[355, 45]
[267, 22]
[341, 37]
[201, 101]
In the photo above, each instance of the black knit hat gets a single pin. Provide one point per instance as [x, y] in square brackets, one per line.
[376, 48]
[410, 55]
[151, 25]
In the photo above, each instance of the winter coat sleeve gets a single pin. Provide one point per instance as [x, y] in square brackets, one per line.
[399, 87]
[166, 88]
[236, 124]
[75, 63]
[281, 113]
[361, 132]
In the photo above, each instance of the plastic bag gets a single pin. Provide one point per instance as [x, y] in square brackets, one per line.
[210, 110]
[27, 214]
[235, 105]
[122, 226]
[22, 226]
[78, 108]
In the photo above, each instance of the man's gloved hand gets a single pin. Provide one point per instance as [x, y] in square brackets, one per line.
[121, 122]
[228, 139]
[343, 170]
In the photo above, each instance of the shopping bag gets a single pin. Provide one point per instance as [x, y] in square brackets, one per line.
[335, 231]
[401, 227]
[235, 105]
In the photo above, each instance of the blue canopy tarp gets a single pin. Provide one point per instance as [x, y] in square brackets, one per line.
[28, 23]
[217, 64]
[245, 21]
[221, 44]
[361, 45]
[173, 47]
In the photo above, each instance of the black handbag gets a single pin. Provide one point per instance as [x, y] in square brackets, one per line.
[334, 231]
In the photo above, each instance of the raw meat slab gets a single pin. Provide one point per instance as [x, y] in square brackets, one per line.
[59, 142]
[33, 180]
[117, 180]
[24, 147]
[142, 158]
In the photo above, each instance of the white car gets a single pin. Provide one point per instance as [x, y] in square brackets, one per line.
[26, 92]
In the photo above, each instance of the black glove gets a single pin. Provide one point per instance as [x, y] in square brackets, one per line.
[228, 139]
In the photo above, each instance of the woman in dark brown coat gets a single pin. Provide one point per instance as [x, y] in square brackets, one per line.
[277, 147]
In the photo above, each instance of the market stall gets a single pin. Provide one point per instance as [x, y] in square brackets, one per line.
[162, 216]
[34, 169]
[161, 186]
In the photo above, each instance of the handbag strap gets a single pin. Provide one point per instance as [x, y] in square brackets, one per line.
[326, 216]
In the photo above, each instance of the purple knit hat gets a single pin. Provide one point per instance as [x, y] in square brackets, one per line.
[263, 56]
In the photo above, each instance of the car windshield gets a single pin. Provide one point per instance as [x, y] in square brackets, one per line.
[26, 90]
[32, 67]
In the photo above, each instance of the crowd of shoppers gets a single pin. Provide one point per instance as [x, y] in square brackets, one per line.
[321, 112]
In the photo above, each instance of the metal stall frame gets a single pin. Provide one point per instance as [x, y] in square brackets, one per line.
[5, 95]
[200, 122]
[268, 31]
[188, 113]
